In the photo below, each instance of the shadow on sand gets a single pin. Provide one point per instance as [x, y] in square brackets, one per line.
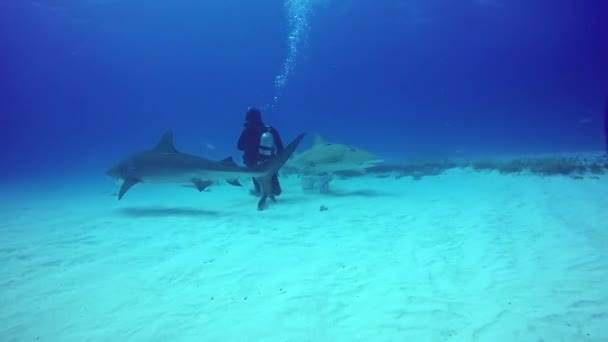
[164, 212]
[359, 193]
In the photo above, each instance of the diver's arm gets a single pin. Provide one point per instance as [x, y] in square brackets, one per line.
[242, 141]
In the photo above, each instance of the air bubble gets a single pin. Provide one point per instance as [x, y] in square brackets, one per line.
[298, 12]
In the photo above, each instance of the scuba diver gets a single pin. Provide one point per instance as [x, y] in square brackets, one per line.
[259, 142]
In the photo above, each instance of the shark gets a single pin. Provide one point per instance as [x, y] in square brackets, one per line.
[165, 164]
[327, 157]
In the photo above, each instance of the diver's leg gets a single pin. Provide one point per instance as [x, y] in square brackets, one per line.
[262, 202]
[276, 186]
[256, 187]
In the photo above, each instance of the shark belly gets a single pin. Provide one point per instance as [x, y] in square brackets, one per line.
[175, 178]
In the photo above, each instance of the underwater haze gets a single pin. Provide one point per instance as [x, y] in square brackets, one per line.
[82, 81]
[444, 175]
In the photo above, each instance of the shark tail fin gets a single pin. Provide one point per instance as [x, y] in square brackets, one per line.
[270, 167]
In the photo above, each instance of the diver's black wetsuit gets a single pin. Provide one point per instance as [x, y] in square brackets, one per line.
[249, 143]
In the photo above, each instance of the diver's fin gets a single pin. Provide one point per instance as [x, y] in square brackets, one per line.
[262, 202]
[201, 184]
[126, 185]
[165, 144]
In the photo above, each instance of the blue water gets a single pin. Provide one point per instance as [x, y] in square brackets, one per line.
[457, 257]
[84, 82]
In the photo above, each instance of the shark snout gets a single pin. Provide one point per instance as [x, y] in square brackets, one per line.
[113, 172]
[113, 177]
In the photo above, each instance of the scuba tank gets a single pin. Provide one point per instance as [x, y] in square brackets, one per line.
[267, 147]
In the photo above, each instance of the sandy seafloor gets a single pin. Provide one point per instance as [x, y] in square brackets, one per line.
[459, 257]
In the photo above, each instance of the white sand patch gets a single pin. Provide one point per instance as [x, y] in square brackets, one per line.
[461, 257]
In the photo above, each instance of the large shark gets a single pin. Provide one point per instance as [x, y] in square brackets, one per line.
[165, 164]
[327, 157]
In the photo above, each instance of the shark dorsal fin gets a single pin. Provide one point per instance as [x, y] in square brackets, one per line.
[165, 144]
[228, 161]
[319, 140]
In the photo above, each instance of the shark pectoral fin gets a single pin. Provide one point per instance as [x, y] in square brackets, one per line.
[126, 185]
[201, 184]
[234, 182]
